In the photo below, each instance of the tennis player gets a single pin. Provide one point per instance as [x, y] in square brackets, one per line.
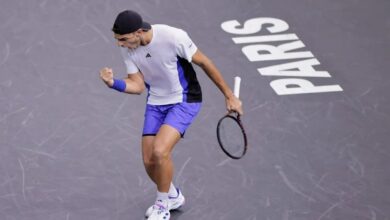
[158, 57]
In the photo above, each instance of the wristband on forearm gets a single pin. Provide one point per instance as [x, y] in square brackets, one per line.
[119, 85]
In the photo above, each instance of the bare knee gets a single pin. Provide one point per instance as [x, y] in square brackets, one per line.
[147, 162]
[147, 148]
[159, 156]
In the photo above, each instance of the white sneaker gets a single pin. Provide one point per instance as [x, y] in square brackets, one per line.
[160, 211]
[173, 203]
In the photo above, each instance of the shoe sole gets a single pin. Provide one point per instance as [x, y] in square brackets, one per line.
[173, 209]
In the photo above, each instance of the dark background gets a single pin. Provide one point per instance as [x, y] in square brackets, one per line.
[70, 147]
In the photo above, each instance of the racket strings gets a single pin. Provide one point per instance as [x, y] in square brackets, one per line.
[231, 137]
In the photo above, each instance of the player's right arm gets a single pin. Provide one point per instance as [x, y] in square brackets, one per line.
[133, 84]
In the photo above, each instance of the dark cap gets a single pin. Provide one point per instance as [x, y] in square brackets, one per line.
[129, 21]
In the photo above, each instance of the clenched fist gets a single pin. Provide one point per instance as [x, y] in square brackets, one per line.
[107, 76]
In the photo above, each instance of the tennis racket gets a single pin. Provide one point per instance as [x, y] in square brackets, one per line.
[230, 131]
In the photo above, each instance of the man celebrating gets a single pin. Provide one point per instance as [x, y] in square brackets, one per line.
[159, 58]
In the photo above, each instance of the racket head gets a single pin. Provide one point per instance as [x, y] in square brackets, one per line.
[231, 136]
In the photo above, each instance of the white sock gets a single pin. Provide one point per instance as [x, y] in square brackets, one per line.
[172, 191]
[163, 196]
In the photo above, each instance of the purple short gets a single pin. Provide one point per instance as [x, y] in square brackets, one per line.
[179, 116]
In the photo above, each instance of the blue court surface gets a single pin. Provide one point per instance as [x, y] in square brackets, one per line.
[315, 83]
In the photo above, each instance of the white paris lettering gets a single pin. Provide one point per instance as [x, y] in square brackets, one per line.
[259, 50]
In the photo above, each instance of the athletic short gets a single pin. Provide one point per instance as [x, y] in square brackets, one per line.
[178, 116]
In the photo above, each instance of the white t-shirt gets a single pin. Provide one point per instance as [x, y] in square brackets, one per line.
[166, 66]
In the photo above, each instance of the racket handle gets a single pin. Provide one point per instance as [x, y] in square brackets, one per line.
[237, 82]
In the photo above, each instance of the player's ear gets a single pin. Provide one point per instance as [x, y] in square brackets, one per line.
[138, 32]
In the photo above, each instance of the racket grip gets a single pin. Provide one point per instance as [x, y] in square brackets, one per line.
[237, 82]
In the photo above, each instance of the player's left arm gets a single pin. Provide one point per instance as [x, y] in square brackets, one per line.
[232, 102]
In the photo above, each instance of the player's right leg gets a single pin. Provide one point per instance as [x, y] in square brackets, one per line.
[147, 150]
[152, 124]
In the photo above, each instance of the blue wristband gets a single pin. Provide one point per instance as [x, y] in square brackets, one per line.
[119, 85]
